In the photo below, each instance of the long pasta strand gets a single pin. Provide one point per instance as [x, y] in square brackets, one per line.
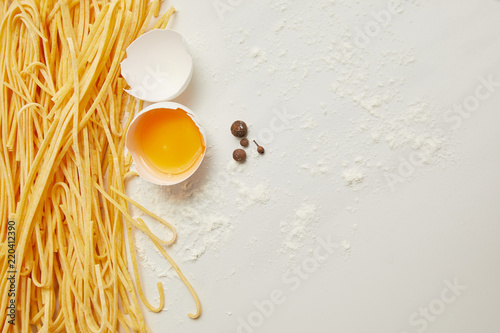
[63, 167]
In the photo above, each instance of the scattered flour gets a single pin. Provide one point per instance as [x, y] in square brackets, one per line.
[195, 211]
[353, 176]
[298, 232]
[321, 168]
[346, 245]
[251, 243]
[249, 196]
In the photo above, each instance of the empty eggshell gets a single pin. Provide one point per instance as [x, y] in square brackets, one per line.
[158, 66]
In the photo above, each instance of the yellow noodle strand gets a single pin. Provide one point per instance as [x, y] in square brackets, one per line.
[63, 119]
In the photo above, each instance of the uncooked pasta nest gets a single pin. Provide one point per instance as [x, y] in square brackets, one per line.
[64, 215]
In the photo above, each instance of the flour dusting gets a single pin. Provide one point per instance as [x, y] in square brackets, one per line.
[298, 232]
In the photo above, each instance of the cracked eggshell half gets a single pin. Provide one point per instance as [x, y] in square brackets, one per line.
[158, 66]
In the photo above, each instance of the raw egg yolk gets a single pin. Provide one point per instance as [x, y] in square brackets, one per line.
[170, 140]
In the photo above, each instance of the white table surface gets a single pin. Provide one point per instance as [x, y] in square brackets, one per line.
[440, 225]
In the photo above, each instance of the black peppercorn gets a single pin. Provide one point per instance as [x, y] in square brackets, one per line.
[244, 142]
[260, 149]
[239, 129]
[239, 155]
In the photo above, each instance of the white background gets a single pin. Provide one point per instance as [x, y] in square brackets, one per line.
[440, 224]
